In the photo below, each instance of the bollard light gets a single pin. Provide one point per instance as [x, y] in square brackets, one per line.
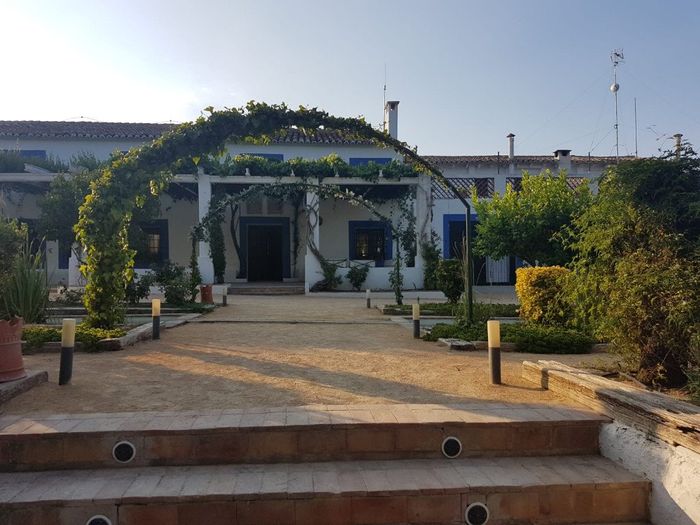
[155, 313]
[65, 371]
[367, 296]
[224, 299]
[494, 332]
[416, 320]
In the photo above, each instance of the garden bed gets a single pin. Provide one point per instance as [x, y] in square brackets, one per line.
[481, 310]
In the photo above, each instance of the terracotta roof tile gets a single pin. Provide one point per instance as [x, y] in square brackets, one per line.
[520, 160]
[143, 130]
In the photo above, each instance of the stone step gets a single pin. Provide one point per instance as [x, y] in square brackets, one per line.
[293, 434]
[282, 289]
[552, 490]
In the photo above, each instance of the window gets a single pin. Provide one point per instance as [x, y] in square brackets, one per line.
[363, 161]
[151, 244]
[370, 240]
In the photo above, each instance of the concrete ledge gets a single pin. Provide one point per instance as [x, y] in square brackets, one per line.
[12, 389]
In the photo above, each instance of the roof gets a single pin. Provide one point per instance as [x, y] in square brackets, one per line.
[145, 130]
[520, 160]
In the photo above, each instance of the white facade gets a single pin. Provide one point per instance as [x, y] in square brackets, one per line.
[435, 207]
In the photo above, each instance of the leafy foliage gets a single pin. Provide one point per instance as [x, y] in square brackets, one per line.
[26, 289]
[174, 282]
[69, 297]
[529, 223]
[138, 288]
[13, 236]
[36, 336]
[528, 337]
[357, 275]
[450, 279]
[540, 291]
[396, 276]
[636, 274]
[11, 162]
[430, 251]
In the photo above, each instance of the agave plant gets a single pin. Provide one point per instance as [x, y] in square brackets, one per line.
[26, 290]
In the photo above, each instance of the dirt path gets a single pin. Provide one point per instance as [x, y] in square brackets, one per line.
[277, 351]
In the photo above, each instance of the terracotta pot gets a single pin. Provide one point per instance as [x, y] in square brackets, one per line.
[207, 293]
[11, 363]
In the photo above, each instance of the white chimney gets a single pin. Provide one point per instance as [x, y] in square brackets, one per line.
[563, 157]
[511, 146]
[679, 143]
[391, 118]
[511, 153]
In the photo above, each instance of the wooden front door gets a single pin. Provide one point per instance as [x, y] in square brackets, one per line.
[264, 252]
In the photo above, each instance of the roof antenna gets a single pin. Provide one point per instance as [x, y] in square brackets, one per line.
[617, 57]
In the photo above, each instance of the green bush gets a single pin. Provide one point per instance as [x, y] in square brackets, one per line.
[26, 288]
[540, 291]
[450, 279]
[482, 311]
[36, 336]
[174, 282]
[357, 275]
[528, 337]
[538, 339]
[138, 288]
[11, 162]
[13, 235]
[431, 258]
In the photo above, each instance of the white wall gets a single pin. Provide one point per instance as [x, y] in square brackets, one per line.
[673, 470]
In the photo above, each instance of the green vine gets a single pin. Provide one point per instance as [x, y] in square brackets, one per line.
[123, 185]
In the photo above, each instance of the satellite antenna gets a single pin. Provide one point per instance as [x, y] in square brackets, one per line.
[616, 57]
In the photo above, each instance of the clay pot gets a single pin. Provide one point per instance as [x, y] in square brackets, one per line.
[207, 293]
[11, 363]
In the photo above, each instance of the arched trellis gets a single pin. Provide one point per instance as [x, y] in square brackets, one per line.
[283, 190]
[106, 213]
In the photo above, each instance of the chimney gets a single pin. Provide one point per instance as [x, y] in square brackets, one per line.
[511, 146]
[679, 142]
[563, 157]
[511, 153]
[391, 118]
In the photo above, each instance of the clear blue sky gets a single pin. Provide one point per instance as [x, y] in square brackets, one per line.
[466, 72]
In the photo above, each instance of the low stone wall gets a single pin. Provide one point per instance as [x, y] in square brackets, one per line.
[652, 435]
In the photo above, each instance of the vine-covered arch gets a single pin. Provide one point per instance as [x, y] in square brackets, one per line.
[105, 215]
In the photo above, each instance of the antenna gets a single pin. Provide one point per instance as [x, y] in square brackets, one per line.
[616, 57]
[636, 150]
[384, 85]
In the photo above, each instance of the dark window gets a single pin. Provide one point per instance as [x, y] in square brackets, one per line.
[152, 244]
[363, 161]
[63, 257]
[370, 240]
[33, 153]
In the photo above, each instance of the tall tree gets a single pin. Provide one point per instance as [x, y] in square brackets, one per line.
[528, 223]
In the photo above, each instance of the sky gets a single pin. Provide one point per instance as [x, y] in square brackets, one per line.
[466, 72]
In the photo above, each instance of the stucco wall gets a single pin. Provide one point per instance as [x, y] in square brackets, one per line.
[673, 470]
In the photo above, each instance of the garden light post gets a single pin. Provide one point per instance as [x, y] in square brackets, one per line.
[416, 320]
[155, 313]
[367, 296]
[494, 331]
[67, 345]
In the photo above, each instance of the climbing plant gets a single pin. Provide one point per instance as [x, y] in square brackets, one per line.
[125, 183]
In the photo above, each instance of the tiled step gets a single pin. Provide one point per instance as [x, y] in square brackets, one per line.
[313, 433]
[547, 490]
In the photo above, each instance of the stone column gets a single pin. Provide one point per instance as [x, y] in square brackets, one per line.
[422, 208]
[312, 267]
[206, 266]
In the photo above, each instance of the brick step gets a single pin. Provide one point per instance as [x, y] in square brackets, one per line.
[293, 434]
[553, 490]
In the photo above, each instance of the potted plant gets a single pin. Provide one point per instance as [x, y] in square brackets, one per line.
[12, 237]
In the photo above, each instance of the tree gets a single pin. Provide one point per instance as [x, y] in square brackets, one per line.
[528, 223]
[636, 271]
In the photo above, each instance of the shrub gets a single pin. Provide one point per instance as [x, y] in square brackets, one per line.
[450, 279]
[541, 294]
[36, 336]
[70, 297]
[13, 235]
[26, 289]
[431, 258]
[11, 162]
[138, 288]
[538, 339]
[174, 282]
[357, 275]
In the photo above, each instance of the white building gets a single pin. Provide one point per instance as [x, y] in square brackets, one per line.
[272, 241]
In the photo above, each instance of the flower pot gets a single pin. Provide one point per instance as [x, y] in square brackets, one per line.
[11, 363]
[207, 293]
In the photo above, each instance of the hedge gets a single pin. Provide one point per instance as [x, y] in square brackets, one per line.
[36, 336]
[540, 291]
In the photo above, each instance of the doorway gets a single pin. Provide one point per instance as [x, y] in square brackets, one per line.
[265, 249]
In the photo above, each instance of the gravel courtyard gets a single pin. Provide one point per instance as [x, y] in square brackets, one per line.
[278, 351]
